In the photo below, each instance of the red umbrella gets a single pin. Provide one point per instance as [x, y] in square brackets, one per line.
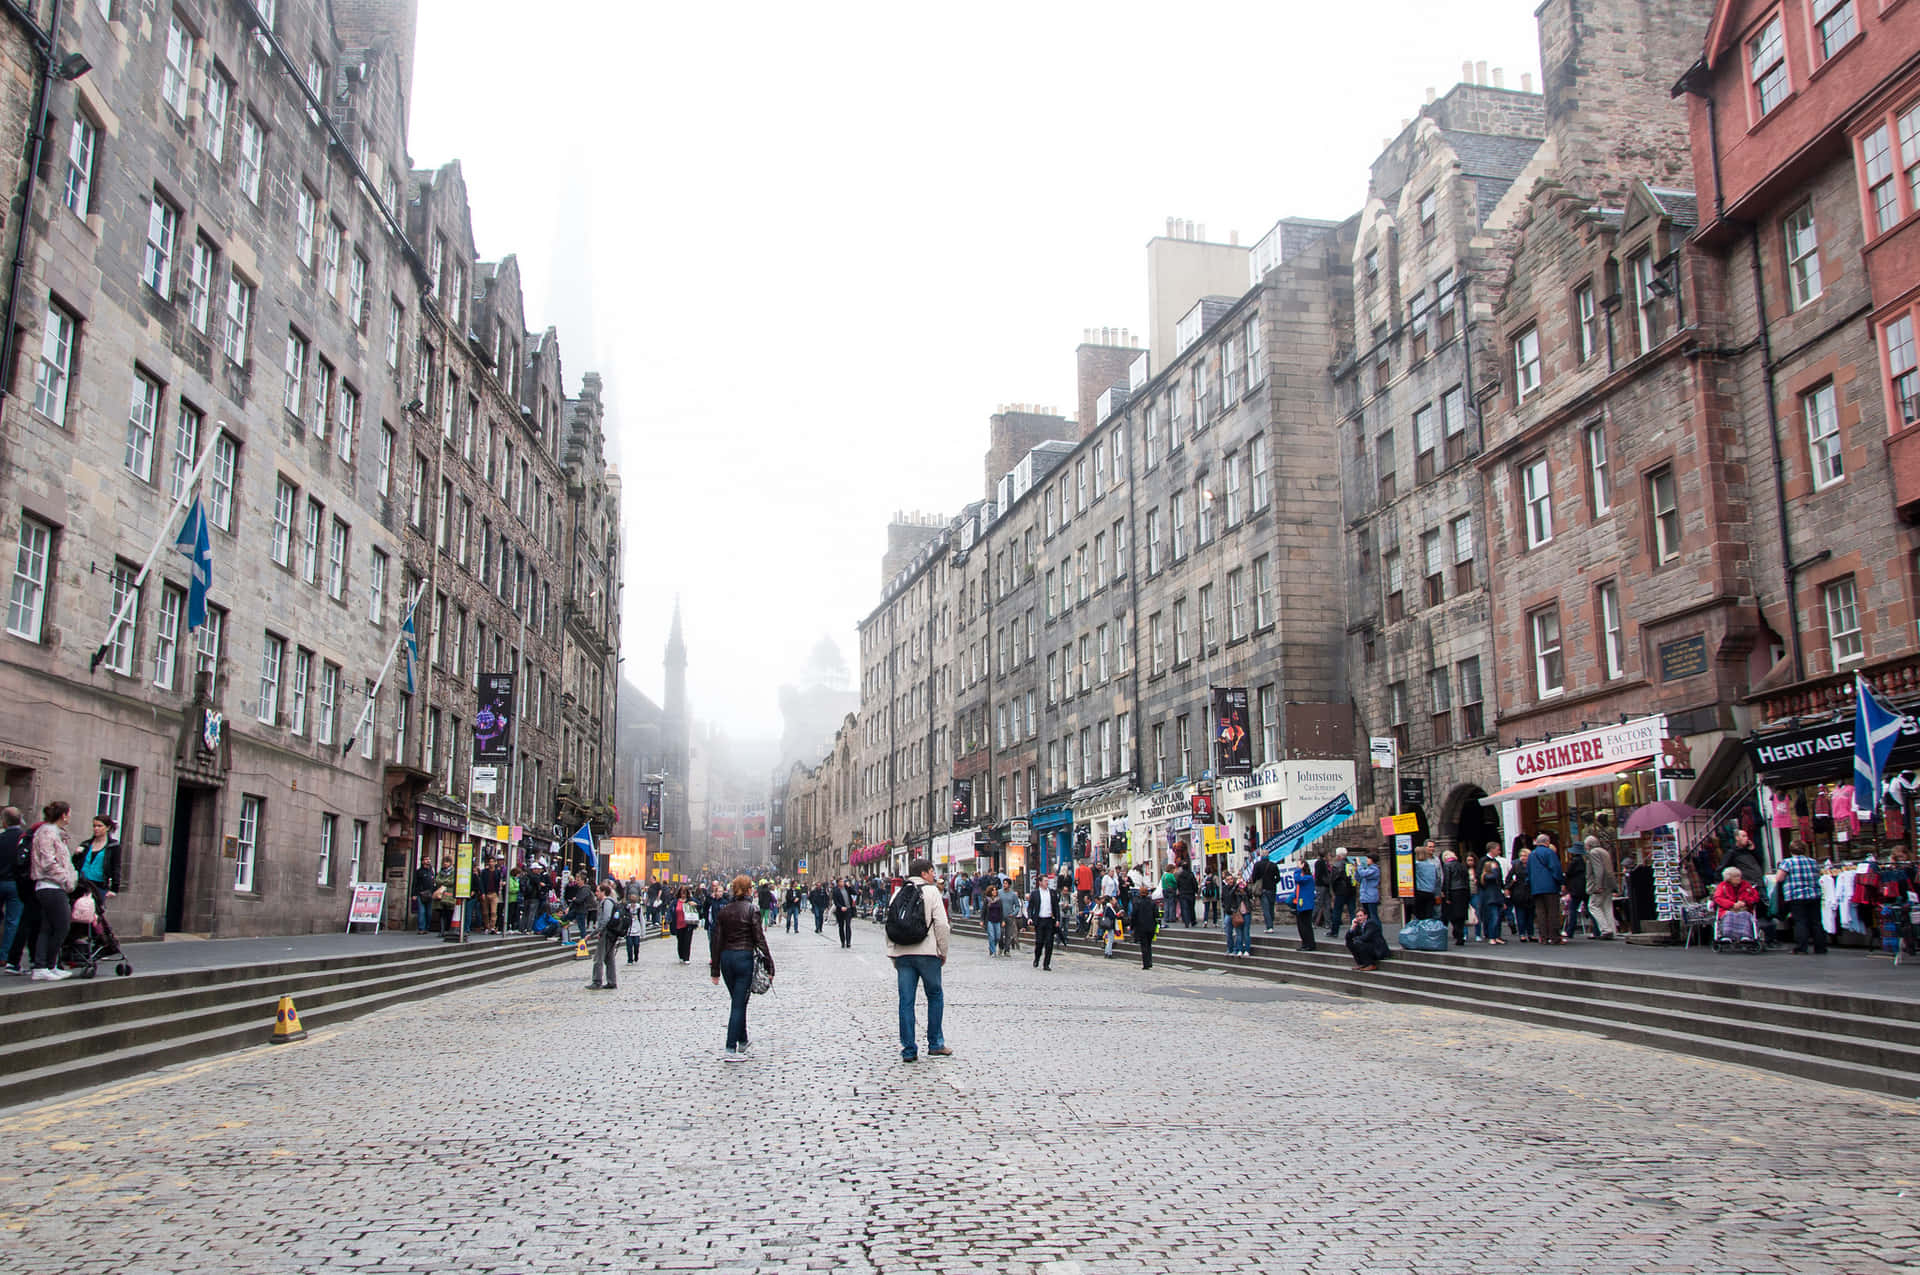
[1658, 814]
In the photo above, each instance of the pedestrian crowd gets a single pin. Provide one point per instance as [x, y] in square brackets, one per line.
[53, 893]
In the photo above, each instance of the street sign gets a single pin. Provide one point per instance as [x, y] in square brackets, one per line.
[1380, 750]
[662, 856]
[463, 871]
[1413, 790]
[486, 780]
[1392, 825]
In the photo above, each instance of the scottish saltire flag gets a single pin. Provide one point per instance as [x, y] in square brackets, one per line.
[193, 540]
[413, 649]
[1875, 727]
[584, 840]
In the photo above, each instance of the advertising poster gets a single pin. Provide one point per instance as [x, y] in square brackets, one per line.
[463, 871]
[650, 817]
[962, 801]
[626, 857]
[369, 897]
[1233, 744]
[493, 720]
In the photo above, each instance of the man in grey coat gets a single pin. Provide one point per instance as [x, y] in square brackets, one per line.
[605, 941]
[1602, 886]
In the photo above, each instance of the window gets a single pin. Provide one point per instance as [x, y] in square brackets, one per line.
[252, 808]
[1150, 436]
[1158, 734]
[1117, 450]
[1843, 622]
[395, 312]
[143, 419]
[310, 542]
[1612, 655]
[82, 143]
[1586, 323]
[1080, 486]
[1664, 499]
[1440, 691]
[357, 850]
[253, 155]
[1901, 374]
[1417, 322]
[1823, 435]
[1397, 717]
[1833, 24]
[1429, 208]
[27, 605]
[1383, 464]
[283, 500]
[1548, 674]
[1526, 362]
[200, 284]
[376, 586]
[1803, 255]
[293, 391]
[1396, 586]
[306, 210]
[219, 93]
[1234, 483]
[1767, 66]
[1537, 497]
[384, 475]
[1183, 740]
[357, 290]
[1423, 444]
[297, 692]
[166, 636]
[111, 799]
[1599, 483]
[226, 463]
[1181, 653]
[337, 561]
[347, 420]
[125, 600]
[1178, 521]
[163, 225]
[1435, 573]
[1646, 301]
[233, 337]
[1443, 316]
[329, 828]
[1209, 631]
[330, 244]
[207, 643]
[54, 375]
[1462, 553]
[1157, 642]
[1453, 422]
[1472, 715]
[1236, 604]
[272, 652]
[1123, 727]
[1153, 541]
[1053, 677]
[178, 68]
[1257, 469]
[1202, 511]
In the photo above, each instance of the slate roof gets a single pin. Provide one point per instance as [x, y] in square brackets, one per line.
[1681, 205]
[1493, 161]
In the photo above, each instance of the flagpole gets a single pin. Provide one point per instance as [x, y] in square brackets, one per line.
[120, 614]
[373, 695]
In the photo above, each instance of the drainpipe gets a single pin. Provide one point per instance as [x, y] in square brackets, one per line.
[1789, 569]
[43, 42]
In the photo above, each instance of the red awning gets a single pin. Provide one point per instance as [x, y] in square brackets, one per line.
[1541, 785]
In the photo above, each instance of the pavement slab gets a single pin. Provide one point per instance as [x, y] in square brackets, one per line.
[1093, 1120]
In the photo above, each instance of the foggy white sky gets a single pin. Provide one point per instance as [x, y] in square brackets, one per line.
[812, 248]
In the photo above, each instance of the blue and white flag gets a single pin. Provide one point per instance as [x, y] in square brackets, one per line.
[193, 540]
[1875, 728]
[413, 648]
[1297, 836]
[584, 840]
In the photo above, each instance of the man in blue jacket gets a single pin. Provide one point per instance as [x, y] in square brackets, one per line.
[1302, 901]
[1545, 875]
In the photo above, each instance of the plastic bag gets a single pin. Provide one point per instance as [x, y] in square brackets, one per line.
[1424, 936]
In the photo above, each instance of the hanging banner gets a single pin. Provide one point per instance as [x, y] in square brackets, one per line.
[650, 817]
[1233, 745]
[493, 720]
[1298, 836]
[962, 802]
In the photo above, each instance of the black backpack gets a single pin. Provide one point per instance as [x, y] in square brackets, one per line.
[907, 922]
[620, 922]
[16, 859]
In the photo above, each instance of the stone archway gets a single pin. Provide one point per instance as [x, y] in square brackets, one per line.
[1464, 823]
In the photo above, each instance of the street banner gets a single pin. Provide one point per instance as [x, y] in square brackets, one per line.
[1403, 865]
[493, 720]
[962, 802]
[1234, 746]
[463, 871]
[650, 817]
[369, 899]
[1298, 836]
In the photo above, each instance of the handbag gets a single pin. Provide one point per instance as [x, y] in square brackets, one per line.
[762, 974]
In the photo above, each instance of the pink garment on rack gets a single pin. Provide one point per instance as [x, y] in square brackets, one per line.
[1843, 811]
[1782, 812]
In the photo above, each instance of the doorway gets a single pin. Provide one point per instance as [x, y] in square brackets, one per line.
[188, 861]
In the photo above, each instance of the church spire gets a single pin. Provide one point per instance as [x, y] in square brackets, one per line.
[676, 645]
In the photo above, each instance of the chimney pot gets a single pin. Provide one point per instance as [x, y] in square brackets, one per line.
[1480, 73]
[1526, 81]
[1169, 227]
[1430, 95]
[1499, 77]
[1233, 237]
[1466, 72]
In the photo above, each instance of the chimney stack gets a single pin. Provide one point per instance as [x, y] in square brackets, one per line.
[1430, 95]
[1499, 77]
[1466, 72]
[1480, 73]
[1526, 81]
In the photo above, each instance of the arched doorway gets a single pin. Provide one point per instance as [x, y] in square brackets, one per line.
[1470, 824]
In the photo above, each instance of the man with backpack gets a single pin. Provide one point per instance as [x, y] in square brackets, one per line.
[917, 932]
[16, 885]
[616, 918]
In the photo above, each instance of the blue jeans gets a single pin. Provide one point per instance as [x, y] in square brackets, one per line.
[793, 920]
[1488, 905]
[1266, 908]
[1239, 935]
[993, 938]
[912, 971]
[736, 971]
[1336, 910]
[425, 911]
[11, 905]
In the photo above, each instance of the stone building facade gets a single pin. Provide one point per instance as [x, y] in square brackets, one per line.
[229, 260]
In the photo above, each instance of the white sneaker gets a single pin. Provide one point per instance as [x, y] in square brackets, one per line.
[731, 1056]
[39, 975]
[57, 974]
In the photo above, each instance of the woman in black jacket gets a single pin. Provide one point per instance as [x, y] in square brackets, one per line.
[737, 934]
[684, 920]
[1143, 920]
[1456, 891]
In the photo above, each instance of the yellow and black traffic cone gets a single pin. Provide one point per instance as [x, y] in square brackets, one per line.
[286, 1023]
[582, 951]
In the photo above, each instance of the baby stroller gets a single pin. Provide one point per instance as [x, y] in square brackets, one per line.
[1737, 932]
[90, 940]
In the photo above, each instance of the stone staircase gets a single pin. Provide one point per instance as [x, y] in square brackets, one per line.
[65, 1036]
[1865, 1042]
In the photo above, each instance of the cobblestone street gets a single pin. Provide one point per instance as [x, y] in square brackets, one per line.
[1094, 1119]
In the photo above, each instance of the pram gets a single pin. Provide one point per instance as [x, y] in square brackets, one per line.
[1737, 932]
[90, 940]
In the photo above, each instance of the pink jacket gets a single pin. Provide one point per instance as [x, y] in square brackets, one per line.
[52, 859]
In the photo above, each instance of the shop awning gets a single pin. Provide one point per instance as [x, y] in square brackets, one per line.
[1568, 779]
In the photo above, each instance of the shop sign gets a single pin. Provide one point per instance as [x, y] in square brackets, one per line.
[1167, 805]
[481, 831]
[1018, 833]
[1316, 781]
[435, 818]
[1825, 752]
[1638, 738]
[1261, 788]
[1413, 790]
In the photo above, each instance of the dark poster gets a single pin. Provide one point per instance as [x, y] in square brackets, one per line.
[1233, 745]
[650, 817]
[493, 722]
[962, 802]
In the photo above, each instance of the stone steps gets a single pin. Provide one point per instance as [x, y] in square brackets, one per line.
[1840, 1038]
[66, 1036]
